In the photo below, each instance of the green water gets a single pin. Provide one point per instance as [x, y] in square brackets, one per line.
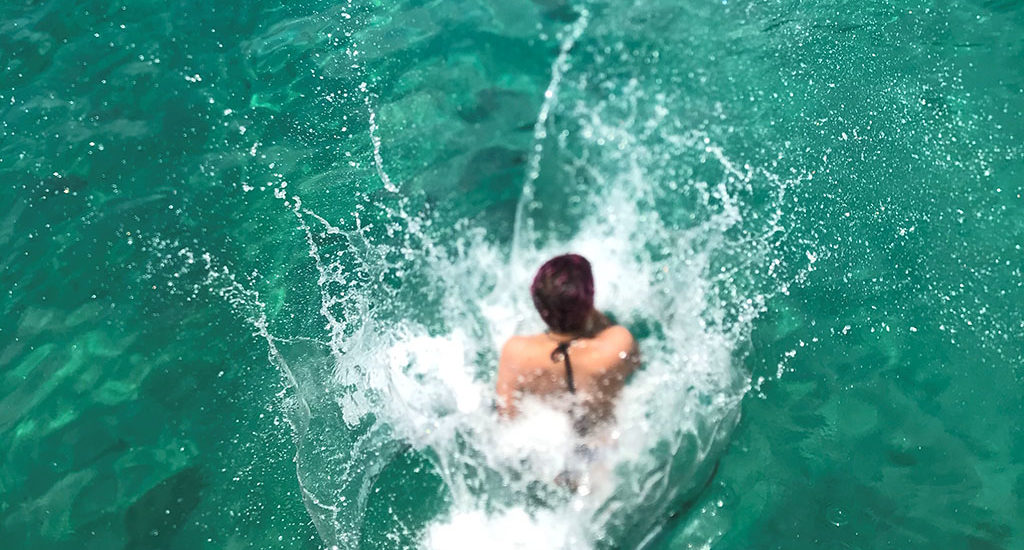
[879, 148]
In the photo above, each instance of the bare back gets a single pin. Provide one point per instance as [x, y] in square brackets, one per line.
[599, 368]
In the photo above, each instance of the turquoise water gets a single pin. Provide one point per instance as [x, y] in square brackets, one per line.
[258, 259]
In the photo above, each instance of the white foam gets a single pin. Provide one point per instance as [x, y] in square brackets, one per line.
[510, 529]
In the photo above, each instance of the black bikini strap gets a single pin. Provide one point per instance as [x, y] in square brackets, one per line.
[563, 350]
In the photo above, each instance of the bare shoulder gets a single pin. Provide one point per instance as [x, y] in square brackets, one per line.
[516, 345]
[617, 336]
[517, 349]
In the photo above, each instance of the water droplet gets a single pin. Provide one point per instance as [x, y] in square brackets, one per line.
[836, 516]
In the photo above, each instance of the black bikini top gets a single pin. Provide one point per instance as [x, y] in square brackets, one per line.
[561, 353]
[580, 424]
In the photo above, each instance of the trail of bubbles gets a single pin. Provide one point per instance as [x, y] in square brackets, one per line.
[378, 159]
[558, 69]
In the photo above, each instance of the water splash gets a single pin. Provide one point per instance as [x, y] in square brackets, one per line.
[683, 241]
[389, 383]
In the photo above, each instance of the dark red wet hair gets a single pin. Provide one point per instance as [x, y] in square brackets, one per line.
[563, 292]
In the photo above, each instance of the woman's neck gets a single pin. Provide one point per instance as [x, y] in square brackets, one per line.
[595, 323]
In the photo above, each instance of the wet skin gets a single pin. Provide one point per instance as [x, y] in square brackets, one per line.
[601, 361]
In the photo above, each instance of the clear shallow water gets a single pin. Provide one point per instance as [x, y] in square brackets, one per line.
[853, 171]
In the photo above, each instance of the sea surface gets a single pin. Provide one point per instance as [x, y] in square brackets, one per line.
[258, 259]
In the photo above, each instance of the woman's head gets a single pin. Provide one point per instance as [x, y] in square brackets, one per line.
[563, 292]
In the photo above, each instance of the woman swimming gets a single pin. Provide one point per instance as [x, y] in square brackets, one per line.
[583, 358]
